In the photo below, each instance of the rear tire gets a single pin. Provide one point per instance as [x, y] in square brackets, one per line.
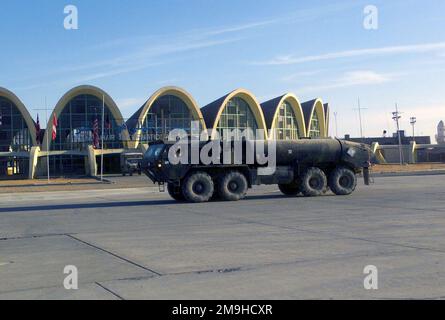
[175, 192]
[313, 182]
[292, 189]
[198, 187]
[232, 186]
[342, 181]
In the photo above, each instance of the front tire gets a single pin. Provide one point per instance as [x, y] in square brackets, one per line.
[342, 181]
[232, 186]
[198, 187]
[175, 192]
[313, 182]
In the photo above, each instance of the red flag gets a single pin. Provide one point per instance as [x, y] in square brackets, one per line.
[96, 134]
[54, 133]
[38, 130]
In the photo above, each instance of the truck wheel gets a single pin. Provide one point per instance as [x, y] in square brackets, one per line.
[175, 192]
[342, 181]
[313, 182]
[198, 187]
[232, 186]
[291, 189]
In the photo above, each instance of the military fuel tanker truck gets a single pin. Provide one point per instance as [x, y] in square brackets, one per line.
[308, 167]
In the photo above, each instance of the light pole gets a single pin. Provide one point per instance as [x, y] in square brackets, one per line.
[396, 117]
[360, 109]
[102, 142]
[413, 121]
[47, 133]
[336, 124]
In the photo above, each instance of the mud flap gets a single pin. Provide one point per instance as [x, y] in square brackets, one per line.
[366, 176]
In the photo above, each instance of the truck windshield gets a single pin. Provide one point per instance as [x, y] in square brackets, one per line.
[154, 151]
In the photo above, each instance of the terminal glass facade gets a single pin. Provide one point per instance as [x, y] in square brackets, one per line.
[166, 114]
[75, 130]
[237, 115]
[14, 132]
[14, 137]
[315, 131]
[286, 124]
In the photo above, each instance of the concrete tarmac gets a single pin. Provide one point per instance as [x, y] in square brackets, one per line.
[139, 244]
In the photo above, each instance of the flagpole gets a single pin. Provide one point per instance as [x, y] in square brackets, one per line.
[47, 139]
[102, 156]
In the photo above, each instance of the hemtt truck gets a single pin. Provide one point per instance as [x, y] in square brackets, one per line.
[307, 167]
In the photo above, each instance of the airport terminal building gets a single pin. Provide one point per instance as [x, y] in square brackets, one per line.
[86, 115]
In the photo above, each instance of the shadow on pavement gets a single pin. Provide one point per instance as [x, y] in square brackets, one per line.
[122, 204]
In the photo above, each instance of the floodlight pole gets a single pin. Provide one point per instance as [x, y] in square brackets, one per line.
[413, 121]
[360, 117]
[336, 124]
[47, 140]
[396, 117]
[47, 137]
[102, 153]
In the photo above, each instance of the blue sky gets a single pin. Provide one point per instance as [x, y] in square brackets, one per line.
[312, 48]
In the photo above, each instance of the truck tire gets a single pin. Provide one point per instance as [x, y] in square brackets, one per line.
[342, 181]
[313, 182]
[175, 193]
[198, 187]
[291, 189]
[232, 186]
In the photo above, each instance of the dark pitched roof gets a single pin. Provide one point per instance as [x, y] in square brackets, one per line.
[308, 107]
[210, 111]
[269, 109]
[132, 122]
[326, 109]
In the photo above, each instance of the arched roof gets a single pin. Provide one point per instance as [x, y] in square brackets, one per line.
[85, 90]
[271, 108]
[180, 93]
[309, 109]
[213, 111]
[21, 107]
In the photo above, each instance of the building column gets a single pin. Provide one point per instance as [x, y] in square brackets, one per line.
[92, 164]
[413, 152]
[143, 148]
[375, 147]
[33, 159]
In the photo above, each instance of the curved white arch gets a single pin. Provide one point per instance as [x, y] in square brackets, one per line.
[85, 90]
[298, 112]
[318, 108]
[21, 107]
[180, 93]
[253, 105]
